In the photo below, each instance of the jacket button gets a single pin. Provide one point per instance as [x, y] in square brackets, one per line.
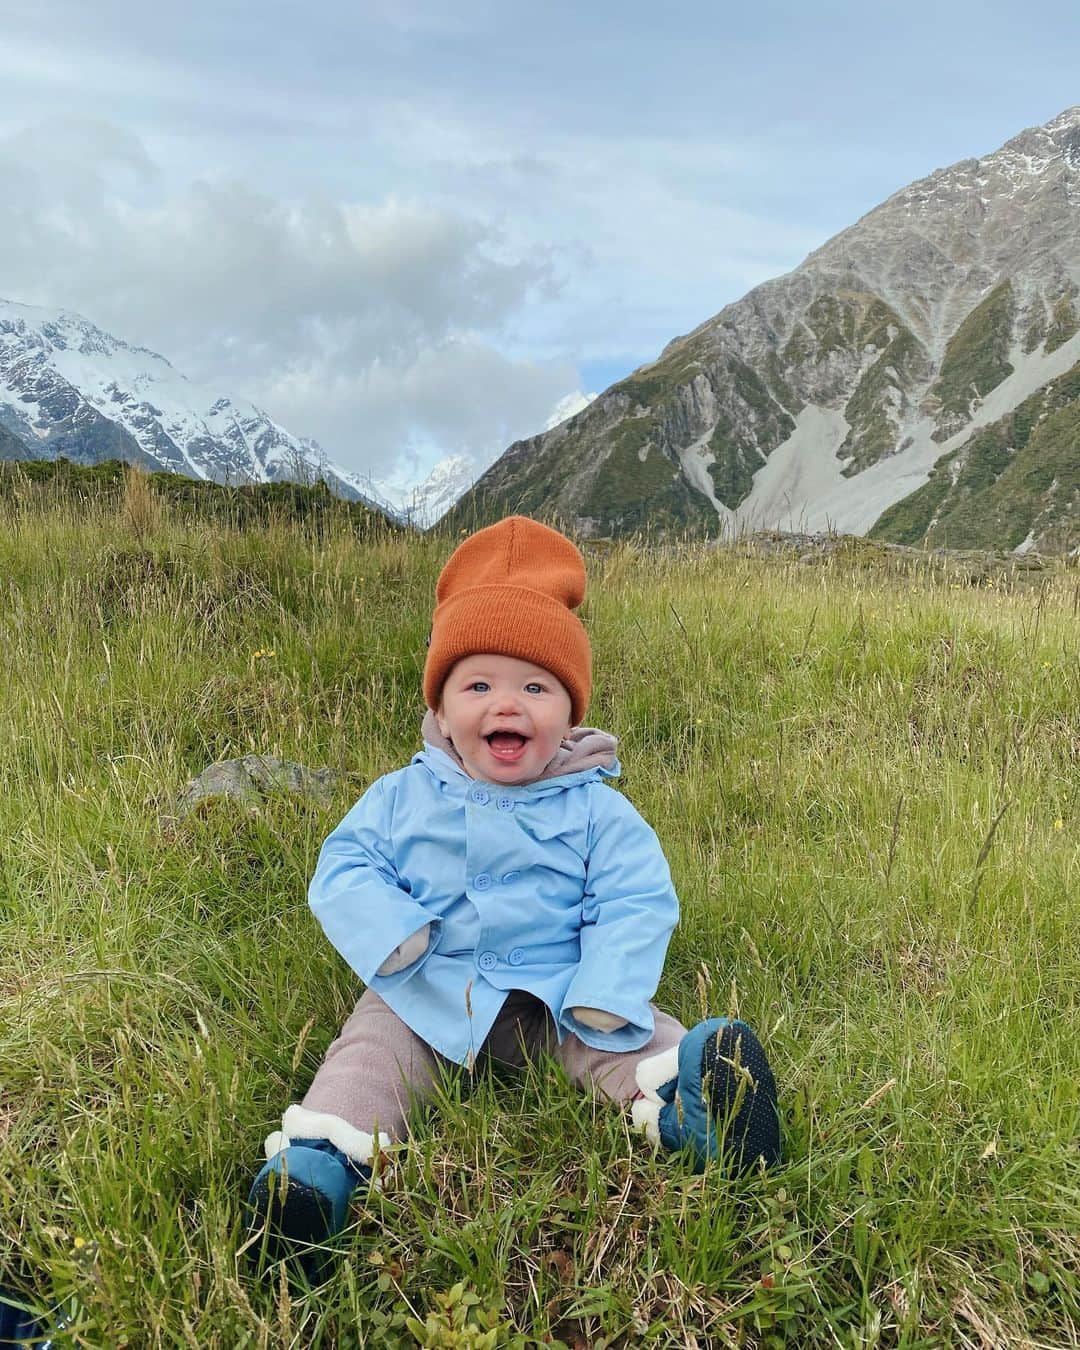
[508, 878]
[505, 803]
[480, 796]
[515, 956]
[482, 881]
[488, 961]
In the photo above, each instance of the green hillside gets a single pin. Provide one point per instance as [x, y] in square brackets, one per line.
[62, 485]
[1018, 476]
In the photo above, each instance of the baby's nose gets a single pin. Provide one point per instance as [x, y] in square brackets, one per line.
[507, 699]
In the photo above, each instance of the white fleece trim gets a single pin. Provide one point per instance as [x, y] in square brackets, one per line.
[646, 1117]
[655, 1071]
[300, 1123]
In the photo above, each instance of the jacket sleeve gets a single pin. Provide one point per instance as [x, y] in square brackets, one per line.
[357, 895]
[628, 914]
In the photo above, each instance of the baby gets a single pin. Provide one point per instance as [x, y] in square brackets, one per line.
[498, 898]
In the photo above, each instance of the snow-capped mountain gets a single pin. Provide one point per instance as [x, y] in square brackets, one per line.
[425, 503]
[428, 501]
[69, 388]
[918, 377]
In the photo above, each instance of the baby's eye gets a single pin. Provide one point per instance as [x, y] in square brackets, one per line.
[481, 686]
[534, 688]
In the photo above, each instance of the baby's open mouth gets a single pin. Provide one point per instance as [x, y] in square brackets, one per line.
[506, 744]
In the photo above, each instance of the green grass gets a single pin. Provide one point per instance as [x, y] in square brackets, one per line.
[869, 790]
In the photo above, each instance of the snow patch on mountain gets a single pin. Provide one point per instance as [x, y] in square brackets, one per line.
[566, 408]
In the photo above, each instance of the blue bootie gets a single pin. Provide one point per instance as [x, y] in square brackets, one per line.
[20, 1326]
[301, 1196]
[716, 1096]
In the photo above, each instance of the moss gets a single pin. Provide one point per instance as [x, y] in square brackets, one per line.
[1063, 320]
[832, 323]
[1022, 471]
[620, 491]
[653, 386]
[1036, 328]
[907, 521]
[873, 432]
[976, 359]
[776, 379]
[629, 493]
[852, 321]
[876, 322]
[737, 458]
[734, 464]
[753, 391]
[800, 346]
[999, 497]
[845, 321]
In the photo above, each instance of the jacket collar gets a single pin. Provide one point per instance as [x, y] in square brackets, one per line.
[587, 753]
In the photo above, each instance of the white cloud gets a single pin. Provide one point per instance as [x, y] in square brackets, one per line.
[655, 230]
[460, 394]
[371, 326]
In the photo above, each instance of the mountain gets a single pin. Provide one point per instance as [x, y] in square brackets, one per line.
[426, 502]
[916, 377]
[68, 388]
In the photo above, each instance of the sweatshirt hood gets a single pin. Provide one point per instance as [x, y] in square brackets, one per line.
[585, 748]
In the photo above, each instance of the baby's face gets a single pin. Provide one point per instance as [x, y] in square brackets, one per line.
[505, 717]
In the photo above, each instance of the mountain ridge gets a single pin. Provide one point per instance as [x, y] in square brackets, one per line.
[825, 396]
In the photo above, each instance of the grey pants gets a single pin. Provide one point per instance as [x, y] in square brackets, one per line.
[378, 1066]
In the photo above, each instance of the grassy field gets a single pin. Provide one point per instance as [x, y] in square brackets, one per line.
[867, 780]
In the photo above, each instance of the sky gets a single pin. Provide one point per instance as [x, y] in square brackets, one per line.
[409, 228]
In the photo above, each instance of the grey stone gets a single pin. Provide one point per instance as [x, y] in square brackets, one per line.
[248, 780]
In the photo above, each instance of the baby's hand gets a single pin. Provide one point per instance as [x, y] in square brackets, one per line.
[599, 1021]
[414, 945]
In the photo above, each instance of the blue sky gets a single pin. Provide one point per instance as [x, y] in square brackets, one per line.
[410, 229]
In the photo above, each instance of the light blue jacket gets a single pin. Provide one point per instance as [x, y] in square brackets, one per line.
[557, 887]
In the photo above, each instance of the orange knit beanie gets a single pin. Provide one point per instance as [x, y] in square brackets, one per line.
[512, 589]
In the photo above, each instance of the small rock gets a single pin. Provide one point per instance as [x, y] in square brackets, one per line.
[249, 779]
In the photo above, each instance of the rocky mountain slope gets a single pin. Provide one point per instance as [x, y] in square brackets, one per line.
[68, 388]
[917, 377]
